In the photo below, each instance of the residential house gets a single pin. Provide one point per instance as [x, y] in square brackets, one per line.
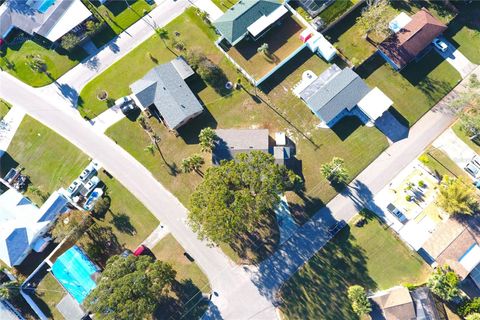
[50, 19]
[337, 93]
[398, 303]
[164, 88]
[231, 142]
[24, 224]
[456, 243]
[411, 39]
[249, 18]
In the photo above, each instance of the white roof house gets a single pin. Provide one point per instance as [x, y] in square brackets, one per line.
[22, 223]
[49, 19]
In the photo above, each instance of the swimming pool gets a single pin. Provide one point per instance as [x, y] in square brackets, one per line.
[74, 271]
[45, 5]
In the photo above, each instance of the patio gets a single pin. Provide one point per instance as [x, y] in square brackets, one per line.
[283, 40]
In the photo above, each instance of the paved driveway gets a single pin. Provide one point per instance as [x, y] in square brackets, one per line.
[456, 59]
[455, 148]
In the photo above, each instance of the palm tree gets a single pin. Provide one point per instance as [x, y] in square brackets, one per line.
[207, 139]
[264, 48]
[162, 34]
[193, 163]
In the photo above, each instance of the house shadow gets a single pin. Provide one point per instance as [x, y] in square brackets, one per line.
[346, 126]
[370, 65]
[133, 115]
[417, 71]
[393, 125]
[190, 131]
[6, 163]
[288, 68]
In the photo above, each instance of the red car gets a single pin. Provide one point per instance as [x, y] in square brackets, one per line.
[142, 249]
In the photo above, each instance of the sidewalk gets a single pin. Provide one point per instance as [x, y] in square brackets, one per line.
[8, 127]
[158, 234]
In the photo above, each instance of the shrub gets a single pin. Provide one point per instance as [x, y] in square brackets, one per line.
[70, 41]
[408, 197]
[469, 306]
[421, 184]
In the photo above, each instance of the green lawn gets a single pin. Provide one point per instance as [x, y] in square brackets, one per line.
[13, 59]
[440, 164]
[45, 155]
[224, 5]
[119, 17]
[417, 88]
[47, 295]
[371, 256]
[52, 162]
[190, 285]
[4, 108]
[457, 128]
[464, 30]
[335, 10]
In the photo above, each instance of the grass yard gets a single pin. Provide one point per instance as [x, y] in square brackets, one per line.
[224, 5]
[191, 282]
[53, 162]
[336, 9]
[440, 164]
[47, 295]
[119, 17]
[13, 59]
[49, 160]
[457, 128]
[371, 256]
[417, 88]
[4, 108]
[282, 40]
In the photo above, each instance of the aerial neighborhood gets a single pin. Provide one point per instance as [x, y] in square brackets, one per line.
[240, 159]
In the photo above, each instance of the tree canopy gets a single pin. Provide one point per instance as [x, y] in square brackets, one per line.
[444, 283]
[375, 17]
[72, 223]
[130, 288]
[359, 300]
[456, 196]
[234, 195]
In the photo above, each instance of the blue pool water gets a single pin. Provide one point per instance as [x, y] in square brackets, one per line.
[74, 271]
[45, 5]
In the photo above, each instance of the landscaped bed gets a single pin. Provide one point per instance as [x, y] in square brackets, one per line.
[282, 41]
[371, 256]
[14, 58]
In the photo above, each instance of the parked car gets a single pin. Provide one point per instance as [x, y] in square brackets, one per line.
[88, 172]
[74, 186]
[127, 108]
[126, 253]
[397, 213]
[142, 249]
[473, 169]
[476, 161]
[440, 45]
[91, 184]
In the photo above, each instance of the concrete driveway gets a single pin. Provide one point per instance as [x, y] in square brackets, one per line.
[455, 148]
[456, 59]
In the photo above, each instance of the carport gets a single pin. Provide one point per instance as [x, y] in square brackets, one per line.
[374, 104]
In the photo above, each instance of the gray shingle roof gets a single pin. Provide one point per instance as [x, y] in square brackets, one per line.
[234, 22]
[343, 91]
[165, 88]
[233, 141]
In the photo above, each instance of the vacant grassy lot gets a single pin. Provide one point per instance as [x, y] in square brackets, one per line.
[119, 16]
[14, 58]
[440, 164]
[417, 88]
[45, 155]
[191, 281]
[47, 295]
[349, 37]
[371, 256]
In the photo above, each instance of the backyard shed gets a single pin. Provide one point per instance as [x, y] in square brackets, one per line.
[375, 103]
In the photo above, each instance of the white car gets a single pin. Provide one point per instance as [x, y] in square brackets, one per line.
[440, 45]
[87, 172]
[91, 184]
[74, 186]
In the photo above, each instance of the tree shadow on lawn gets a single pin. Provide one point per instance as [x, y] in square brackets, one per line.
[303, 206]
[122, 223]
[333, 34]
[255, 246]
[319, 289]
[189, 133]
[186, 301]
